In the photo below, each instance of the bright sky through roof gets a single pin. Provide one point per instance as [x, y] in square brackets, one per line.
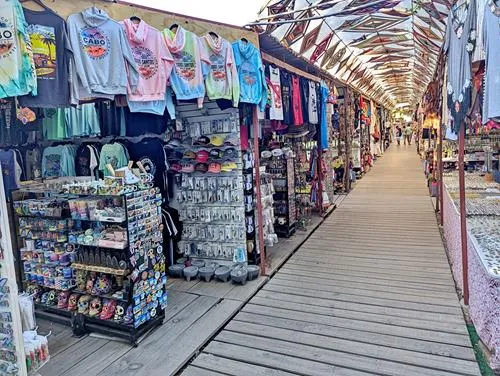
[234, 12]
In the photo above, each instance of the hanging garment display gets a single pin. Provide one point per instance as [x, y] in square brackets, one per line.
[87, 160]
[58, 161]
[251, 73]
[111, 118]
[54, 124]
[151, 154]
[323, 137]
[296, 102]
[304, 88]
[459, 44]
[82, 121]
[104, 65]
[274, 92]
[189, 56]
[286, 97]
[51, 56]
[221, 79]
[491, 33]
[313, 103]
[115, 155]
[11, 170]
[17, 76]
[154, 63]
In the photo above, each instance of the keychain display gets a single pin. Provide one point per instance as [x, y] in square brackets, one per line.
[209, 188]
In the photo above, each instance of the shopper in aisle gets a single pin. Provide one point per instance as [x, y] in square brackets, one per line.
[399, 134]
[408, 132]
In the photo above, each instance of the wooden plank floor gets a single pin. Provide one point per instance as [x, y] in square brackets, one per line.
[370, 293]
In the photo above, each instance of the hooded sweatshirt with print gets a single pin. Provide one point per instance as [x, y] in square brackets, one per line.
[222, 80]
[190, 64]
[153, 59]
[253, 88]
[102, 59]
[17, 73]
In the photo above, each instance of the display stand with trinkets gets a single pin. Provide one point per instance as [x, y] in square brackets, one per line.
[98, 262]
[206, 160]
[281, 170]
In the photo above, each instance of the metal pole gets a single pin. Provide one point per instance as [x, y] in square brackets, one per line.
[258, 194]
[463, 218]
[440, 176]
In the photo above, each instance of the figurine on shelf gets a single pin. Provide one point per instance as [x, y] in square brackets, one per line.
[52, 298]
[95, 307]
[62, 300]
[108, 309]
[44, 298]
[83, 304]
[90, 282]
[81, 280]
[102, 285]
[119, 312]
[73, 302]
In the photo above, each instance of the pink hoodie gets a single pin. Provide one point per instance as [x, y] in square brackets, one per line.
[153, 60]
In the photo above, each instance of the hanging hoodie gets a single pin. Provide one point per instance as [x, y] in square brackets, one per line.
[154, 62]
[104, 65]
[191, 62]
[17, 73]
[222, 80]
[251, 73]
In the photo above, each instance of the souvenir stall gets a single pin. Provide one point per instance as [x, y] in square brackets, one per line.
[295, 132]
[119, 178]
[471, 196]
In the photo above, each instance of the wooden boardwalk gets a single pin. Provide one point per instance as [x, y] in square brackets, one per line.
[370, 293]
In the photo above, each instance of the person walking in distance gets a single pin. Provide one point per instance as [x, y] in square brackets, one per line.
[399, 134]
[408, 132]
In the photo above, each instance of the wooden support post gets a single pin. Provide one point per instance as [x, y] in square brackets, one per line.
[440, 175]
[463, 213]
[258, 193]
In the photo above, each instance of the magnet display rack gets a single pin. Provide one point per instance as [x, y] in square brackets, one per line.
[135, 272]
[213, 226]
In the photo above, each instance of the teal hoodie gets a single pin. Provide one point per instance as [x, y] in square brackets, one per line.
[253, 87]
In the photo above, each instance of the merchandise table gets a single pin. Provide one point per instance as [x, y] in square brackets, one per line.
[483, 251]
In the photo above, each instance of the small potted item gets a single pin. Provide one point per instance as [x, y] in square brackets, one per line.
[206, 273]
[190, 272]
[198, 263]
[253, 272]
[95, 307]
[182, 261]
[176, 270]
[239, 274]
[222, 273]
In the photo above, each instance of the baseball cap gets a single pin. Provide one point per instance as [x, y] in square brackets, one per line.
[188, 168]
[214, 167]
[216, 141]
[201, 167]
[228, 166]
[216, 153]
[174, 155]
[202, 156]
[232, 140]
[189, 154]
[230, 153]
[203, 140]
[176, 167]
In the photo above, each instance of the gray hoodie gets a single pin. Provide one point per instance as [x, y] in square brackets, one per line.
[102, 64]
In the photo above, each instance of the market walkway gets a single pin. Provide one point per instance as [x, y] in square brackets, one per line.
[369, 293]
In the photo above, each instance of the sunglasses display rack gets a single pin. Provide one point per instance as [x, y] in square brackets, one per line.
[209, 189]
[267, 199]
[94, 260]
[281, 170]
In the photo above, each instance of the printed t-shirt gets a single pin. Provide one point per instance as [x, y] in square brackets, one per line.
[313, 103]
[274, 88]
[113, 154]
[151, 154]
[296, 102]
[286, 93]
[51, 56]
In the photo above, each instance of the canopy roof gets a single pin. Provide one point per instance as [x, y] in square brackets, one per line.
[387, 49]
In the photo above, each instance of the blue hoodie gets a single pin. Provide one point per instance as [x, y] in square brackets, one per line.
[253, 87]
